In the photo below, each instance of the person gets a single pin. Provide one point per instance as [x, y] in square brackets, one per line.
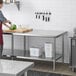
[3, 21]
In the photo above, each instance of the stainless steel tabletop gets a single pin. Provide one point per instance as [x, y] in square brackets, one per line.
[14, 68]
[43, 33]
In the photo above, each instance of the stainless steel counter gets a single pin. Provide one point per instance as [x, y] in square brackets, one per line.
[45, 34]
[42, 33]
[14, 68]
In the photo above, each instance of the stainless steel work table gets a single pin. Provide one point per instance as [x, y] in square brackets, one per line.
[14, 68]
[45, 34]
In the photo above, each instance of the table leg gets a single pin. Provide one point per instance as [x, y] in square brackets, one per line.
[54, 52]
[24, 45]
[63, 48]
[12, 43]
[54, 65]
[25, 74]
[72, 69]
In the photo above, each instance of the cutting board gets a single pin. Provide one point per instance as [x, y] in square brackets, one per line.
[20, 30]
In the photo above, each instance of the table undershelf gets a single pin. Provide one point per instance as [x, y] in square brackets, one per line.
[27, 55]
[46, 67]
[41, 58]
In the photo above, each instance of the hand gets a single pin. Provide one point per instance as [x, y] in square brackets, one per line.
[8, 21]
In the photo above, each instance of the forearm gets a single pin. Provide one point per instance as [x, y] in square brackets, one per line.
[6, 24]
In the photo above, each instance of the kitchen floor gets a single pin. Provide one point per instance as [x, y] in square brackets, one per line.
[61, 69]
[45, 69]
[35, 73]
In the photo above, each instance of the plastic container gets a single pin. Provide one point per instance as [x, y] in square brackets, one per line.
[35, 52]
[48, 50]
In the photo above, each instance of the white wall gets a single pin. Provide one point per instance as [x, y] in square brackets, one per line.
[63, 15]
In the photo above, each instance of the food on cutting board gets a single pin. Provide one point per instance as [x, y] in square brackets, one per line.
[13, 27]
[23, 30]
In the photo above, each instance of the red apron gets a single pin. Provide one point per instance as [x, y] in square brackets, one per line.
[1, 34]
